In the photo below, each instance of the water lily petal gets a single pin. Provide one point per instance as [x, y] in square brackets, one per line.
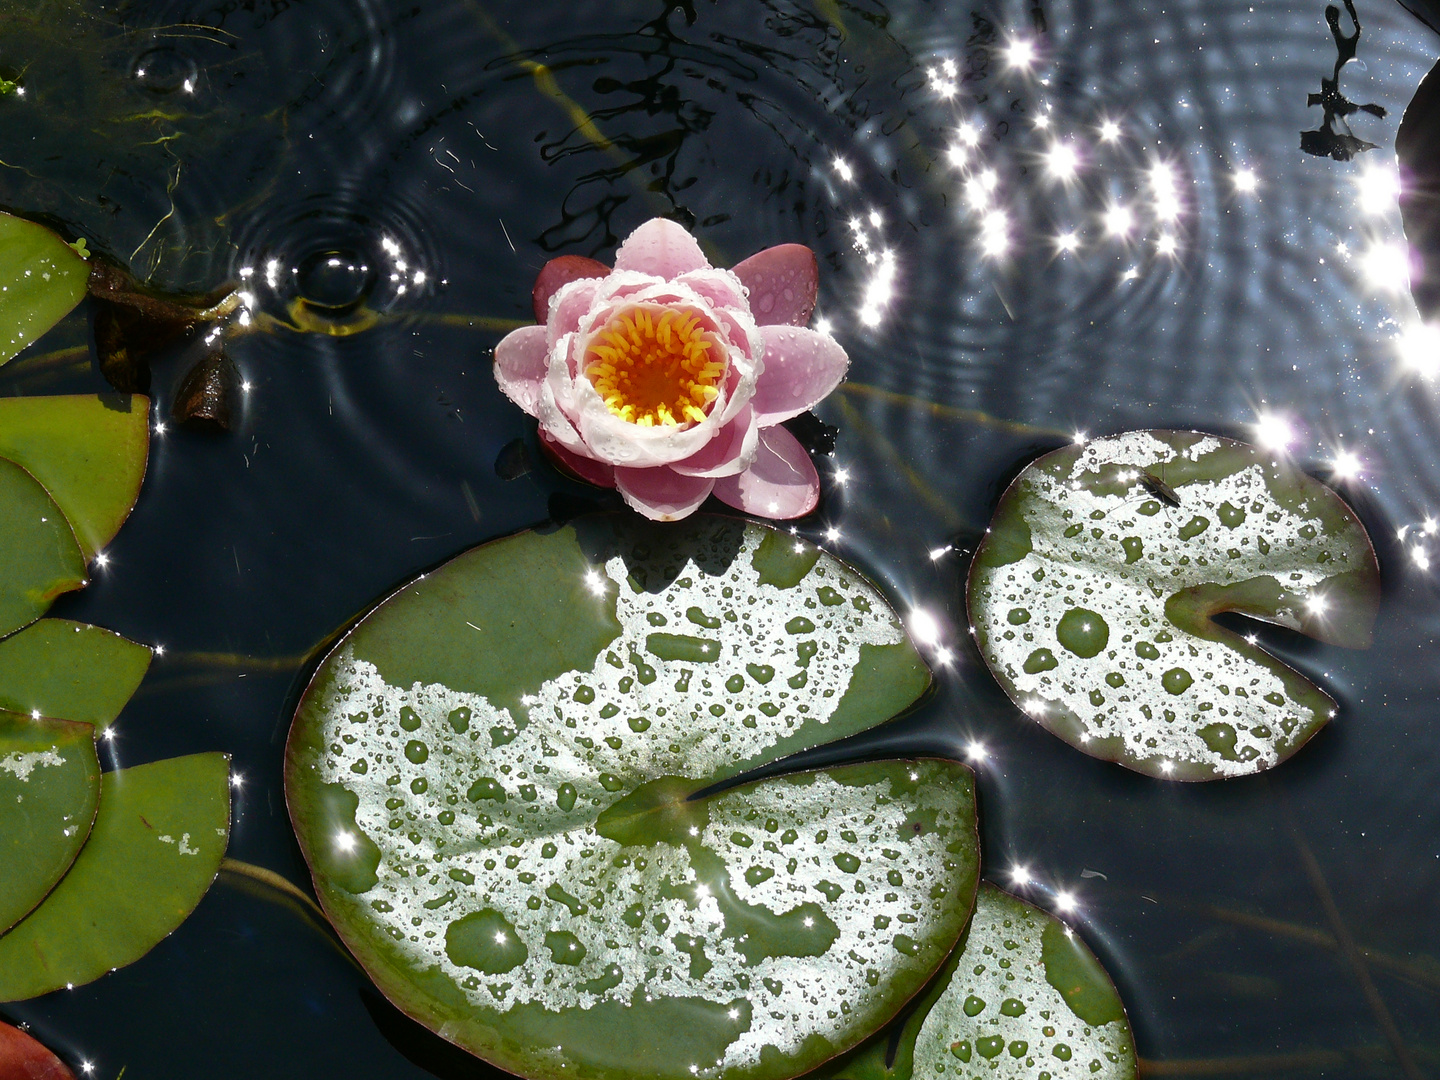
[662, 248]
[555, 423]
[559, 272]
[801, 367]
[721, 287]
[570, 305]
[577, 466]
[520, 365]
[781, 484]
[782, 281]
[730, 452]
[662, 494]
[609, 438]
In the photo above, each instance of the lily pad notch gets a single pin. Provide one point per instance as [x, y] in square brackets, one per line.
[1093, 593]
[491, 778]
[1022, 996]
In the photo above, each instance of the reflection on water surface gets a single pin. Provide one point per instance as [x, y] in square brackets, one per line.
[1037, 219]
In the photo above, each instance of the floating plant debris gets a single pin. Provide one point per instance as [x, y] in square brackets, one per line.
[1092, 600]
[1328, 140]
[134, 321]
[494, 780]
[42, 279]
[1021, 998]
[206, 395]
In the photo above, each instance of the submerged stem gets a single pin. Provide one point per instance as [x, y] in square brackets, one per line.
[270, 878]
[894, 460]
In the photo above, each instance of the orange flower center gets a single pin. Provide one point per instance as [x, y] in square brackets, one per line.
[655, 367]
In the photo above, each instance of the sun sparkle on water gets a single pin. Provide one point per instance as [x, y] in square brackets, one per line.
[1273, 432]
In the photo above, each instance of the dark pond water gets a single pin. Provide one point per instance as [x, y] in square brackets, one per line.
[412, 160]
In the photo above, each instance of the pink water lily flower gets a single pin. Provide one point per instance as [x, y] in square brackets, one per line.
[668, 378]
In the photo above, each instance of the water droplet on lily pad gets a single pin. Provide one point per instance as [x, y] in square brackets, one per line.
[1176, 680]
[486, 941]
[1083, 632]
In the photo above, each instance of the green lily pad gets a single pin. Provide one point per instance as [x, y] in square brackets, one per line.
[49, 788]
[493, 778]
[1020, 997]
[1093, 593]
[38, 552]
[70, 670]
[156, 846]
[41, 281]
[88, 451]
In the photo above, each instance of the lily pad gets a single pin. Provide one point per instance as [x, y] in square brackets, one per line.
[49, 788]
[88, 451]
[38, 551]
[41, 281]
[23, 1058]
[1093, 593]
[156, 846]
[1020, 997]
[494, 779]
[70, 670]
[1416, 144]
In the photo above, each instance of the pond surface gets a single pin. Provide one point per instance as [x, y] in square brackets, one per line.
[419, 162]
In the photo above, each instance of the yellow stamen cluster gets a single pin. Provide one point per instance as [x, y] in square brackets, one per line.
[655, 367]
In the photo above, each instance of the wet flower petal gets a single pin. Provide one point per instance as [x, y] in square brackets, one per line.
[556, 424]
[781, 484]
[801, 367]
[520, 363]
[607, 437]
[662, 494]
[662, 248]
[569, 306]
[581, 468]
[556, 274]
[782, 281]
[721, 287]
[731, 451]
